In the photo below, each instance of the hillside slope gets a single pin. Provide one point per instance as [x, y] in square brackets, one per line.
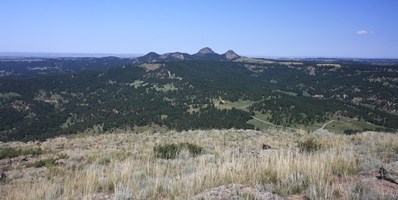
[199, 94]
[218, 163]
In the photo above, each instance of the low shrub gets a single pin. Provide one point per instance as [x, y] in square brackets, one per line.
[170, 151]
[10, 152]
[309, 145]
[62, 156]
[48, 162]
[166, 151]
[193, 149]
[103, 161]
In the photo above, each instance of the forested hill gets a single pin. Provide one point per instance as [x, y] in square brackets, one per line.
[35, 66]
[212, 93]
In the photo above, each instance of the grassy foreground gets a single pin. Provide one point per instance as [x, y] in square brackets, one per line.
[125, 166]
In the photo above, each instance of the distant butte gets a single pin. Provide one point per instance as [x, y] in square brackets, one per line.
[203, 54]
[230, 55]
[205, 50]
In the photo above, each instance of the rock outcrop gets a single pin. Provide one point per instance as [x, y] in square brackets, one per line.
[205, 51]
[203, 54]
[230, 55]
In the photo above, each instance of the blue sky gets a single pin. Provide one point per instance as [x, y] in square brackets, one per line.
[282, 28]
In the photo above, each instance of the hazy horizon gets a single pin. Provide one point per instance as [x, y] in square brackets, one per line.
[338, 29]
[134, 55]
[66, 54]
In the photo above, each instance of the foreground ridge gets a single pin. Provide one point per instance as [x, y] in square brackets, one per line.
[125, 166]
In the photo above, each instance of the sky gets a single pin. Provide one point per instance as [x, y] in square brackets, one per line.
[267, 28]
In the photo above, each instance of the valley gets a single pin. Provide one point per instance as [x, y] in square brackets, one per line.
[202, 91]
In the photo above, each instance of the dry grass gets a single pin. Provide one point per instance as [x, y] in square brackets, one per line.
[124, 166]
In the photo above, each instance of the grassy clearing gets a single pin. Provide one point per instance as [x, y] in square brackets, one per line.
[69, 121]
[341, 124]
[52, 98]
[259, 125]
[138, 83]
[288, 93]
[151, 66]
[241, 104]
[338, 125]
[260, 122]
[125, 166]
[165, 88]
[9, 95]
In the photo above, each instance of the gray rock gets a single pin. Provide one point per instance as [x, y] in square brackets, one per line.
[2, 176]
[377, 187]
[236, 191]
[6, 161]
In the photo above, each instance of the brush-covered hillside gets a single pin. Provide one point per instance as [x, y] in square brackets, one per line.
[213, 164]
